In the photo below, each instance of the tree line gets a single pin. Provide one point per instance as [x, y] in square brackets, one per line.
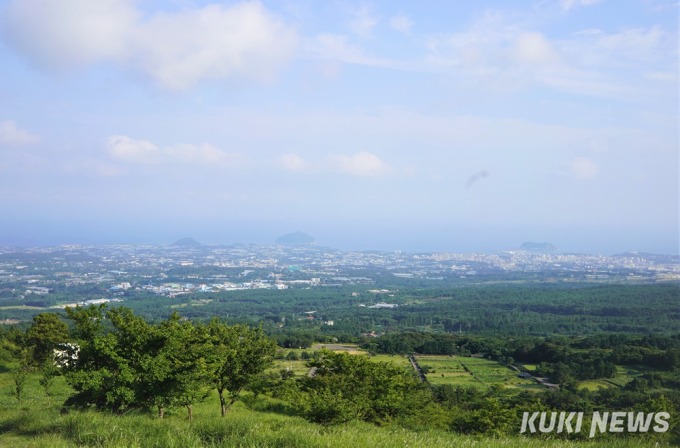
[116, 361]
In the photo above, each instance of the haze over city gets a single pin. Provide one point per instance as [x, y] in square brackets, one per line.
[458, 127]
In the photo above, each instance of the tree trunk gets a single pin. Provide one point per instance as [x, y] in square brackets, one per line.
[223, 404]
[233, 400]
[191, 413]
[161, 412]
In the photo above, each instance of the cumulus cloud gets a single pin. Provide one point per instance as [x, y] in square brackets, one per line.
[126, 149]
[533, 48]
[12, 135]
[361, 164]
[66, 33]
[174, 49]
[212, 43]
[401, 23]
[570, 4]
[583, 168]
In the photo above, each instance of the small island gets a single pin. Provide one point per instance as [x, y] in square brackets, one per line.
[186, 242]
[295, 238]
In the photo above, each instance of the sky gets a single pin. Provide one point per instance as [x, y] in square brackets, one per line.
[393, 125]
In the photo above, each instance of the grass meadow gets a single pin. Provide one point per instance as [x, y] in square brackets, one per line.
[269, 424]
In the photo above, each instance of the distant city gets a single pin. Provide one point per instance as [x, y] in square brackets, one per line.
[187, 267]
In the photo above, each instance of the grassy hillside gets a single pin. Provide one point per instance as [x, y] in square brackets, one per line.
[269, 424]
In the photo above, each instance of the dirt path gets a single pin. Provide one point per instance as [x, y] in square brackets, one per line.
[417, 368]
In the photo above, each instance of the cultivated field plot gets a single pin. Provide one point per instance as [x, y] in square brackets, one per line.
[300, 369]
[398, 360]
[480, 373]
[527, 366]
[447, 370]
[624, 374]
[297, 367]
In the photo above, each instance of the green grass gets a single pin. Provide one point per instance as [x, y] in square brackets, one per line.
[271, 424]
[298, 367]
[593, 385]
[32, 428]
[396, 359]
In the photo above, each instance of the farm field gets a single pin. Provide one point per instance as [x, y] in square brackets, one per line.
[300, 369]
[480, 373]
[396, 359]
[624, 374]
[593, 385]
[527, 366]
[443, 370]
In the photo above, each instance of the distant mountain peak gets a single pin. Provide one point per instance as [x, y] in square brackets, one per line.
[295, 238]
[547, 247]
[186, 242]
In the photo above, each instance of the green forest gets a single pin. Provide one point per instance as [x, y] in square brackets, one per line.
[65, 378]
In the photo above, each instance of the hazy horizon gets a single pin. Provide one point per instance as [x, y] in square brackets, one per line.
[449, 127]
[461, 240]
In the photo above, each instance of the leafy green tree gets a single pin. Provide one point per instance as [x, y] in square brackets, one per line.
[19, 375]
[238, 355]
[104, 366]
[328, 407]
[377, 392]
[491, 418]
[44, 335]
[188, 349]
[48, 372]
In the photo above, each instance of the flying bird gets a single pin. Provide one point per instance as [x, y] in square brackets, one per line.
[475, 177]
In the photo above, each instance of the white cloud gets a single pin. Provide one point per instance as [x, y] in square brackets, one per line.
[583, 168]
[175, 49]
[589, 32]
[214, 42]
[570, 4]
[626, 47]
[126, 149]
[11, 135]
[65, 33]
[361, 164]
[401, 23]
[491, 45]
[335, 47]
[292, 162]
[363, 22]
[533, 48]
[637, 43]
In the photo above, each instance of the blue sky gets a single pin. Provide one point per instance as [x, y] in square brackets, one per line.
[361, 123]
